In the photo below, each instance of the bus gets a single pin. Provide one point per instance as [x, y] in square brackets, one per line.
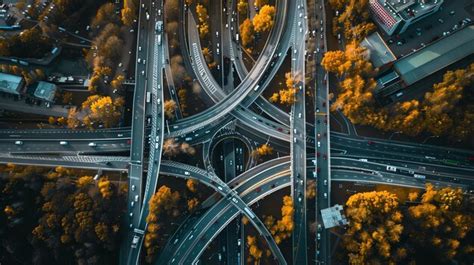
[148, 97]
[451, 162]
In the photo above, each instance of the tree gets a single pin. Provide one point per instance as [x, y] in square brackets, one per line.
[242, 7]
[255, 254]
[163, 202]
[170, 108]
[441, 224]
[105, 15]
[282, 229]
[191, 185]
[375, 227]
[262, 150]
[170, 147]
[260, 3]
[101, 110]
[247, 32]
[192, 204]
[263, 21]
[128, 15]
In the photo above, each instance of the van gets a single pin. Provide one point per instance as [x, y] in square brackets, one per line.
[417, 176]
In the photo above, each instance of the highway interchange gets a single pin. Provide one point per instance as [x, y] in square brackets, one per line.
[309, 151]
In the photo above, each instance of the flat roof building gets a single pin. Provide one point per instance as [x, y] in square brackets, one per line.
[45, 91]
[11, 84]
[427, 61]
[395, 16]
[436, 56]
[380, 53]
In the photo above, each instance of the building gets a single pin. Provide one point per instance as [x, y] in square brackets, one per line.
[380, 54]
[11, 84]
[45, 91]
[426, 61]
[395, 16]
[333, 216]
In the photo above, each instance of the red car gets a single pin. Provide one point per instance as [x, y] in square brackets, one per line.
[318, 154]
[318, 169]
[370, 142]
[258, 189]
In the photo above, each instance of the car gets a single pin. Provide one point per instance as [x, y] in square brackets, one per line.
[135, 241]
[239, 242]
[440, 20]
[325, 182]
[136, 198]
[391, 168]
[133, 187]
[452, 13]
[318, 169]
[325, 195]
[258, 189]
[370, 142]
[143, 72]
[319, 136]
[139, 48]
[144, 61]
[319, 144]
[18, 142]
[299, 198]
[132, 203]
[294, 130]
[299, 115]
[294, 139]
[63, 143]
[319, 236]
[317, 109]
[92, 144]
[220, 188]
[186, 173]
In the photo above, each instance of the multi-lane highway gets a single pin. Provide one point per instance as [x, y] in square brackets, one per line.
[355, 158]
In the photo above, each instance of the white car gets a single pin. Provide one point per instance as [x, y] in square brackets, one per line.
[92, 144]
[18, 142]
[63, 143]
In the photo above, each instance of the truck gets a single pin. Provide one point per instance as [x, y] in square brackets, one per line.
[159, 26]
[148, 97]
[159, 39]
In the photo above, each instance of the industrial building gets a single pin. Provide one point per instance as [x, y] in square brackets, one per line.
[395, 16]
[45, 91]
[11, 84]
[425, 62]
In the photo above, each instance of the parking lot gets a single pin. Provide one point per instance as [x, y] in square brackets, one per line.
[448, 19]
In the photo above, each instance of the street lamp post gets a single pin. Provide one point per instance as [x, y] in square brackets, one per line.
[429, 137]
[390, 138]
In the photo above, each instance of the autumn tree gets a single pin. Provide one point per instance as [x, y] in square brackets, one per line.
[242, 7]
[282, 229]
[260, 3]
[263, 21]
[171, 148]
[375, 228]
[203, 19]
[192, 204]
[163, 203]
[76, 213]
[255, 253]
[191, 184]
[262, 150]
[441, 224]
[170, 108]
[247, 32]
[101, 110]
